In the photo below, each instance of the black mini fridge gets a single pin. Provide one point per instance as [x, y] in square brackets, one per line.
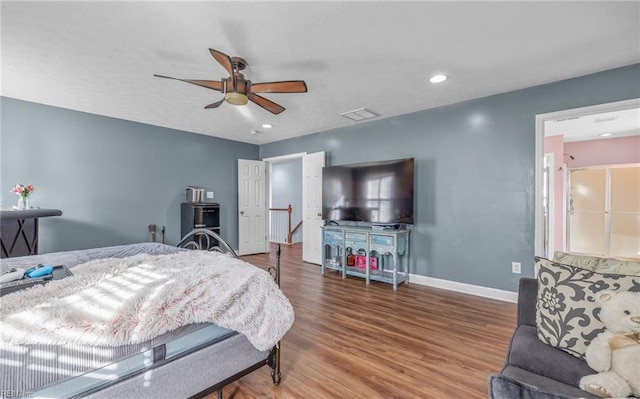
[199, 215]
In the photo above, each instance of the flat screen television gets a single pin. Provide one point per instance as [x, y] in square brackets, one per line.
[376, 192]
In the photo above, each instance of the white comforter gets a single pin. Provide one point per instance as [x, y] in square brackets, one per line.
[113, 302]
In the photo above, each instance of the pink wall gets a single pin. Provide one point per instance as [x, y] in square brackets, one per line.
[555, 145]
[613, 151]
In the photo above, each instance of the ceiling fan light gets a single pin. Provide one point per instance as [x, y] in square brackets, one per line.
[236, 98]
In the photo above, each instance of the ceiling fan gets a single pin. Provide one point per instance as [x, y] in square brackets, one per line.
[238, 91]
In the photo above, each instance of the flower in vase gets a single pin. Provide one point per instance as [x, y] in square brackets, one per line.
[22, 190]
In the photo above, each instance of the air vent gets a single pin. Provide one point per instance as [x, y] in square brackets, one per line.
[359, 114]
[567, 119]
[605, 119]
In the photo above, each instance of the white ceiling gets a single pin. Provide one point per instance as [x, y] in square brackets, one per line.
[591, 127]
[100, 57]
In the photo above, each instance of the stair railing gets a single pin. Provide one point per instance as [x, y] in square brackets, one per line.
[281, 230]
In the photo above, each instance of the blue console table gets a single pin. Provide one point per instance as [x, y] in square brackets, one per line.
[391, 247]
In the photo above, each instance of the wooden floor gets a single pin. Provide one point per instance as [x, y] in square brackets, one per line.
[351, 340]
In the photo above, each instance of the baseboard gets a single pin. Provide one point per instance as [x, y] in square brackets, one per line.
[486, 292]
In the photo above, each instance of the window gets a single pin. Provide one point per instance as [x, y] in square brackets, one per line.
[379, 194]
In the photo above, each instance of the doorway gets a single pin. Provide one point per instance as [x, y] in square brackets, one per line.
[285, 189]
[311, 186]
[565, 161]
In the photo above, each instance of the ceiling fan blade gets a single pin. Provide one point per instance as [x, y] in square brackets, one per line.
[209, 84]
[223, 60]
[214, 105]
[289, 86]
[266, 104]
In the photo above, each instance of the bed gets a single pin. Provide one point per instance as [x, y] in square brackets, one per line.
[199, 350]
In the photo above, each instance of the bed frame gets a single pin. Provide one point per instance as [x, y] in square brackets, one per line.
[204, 239]
[196, 367]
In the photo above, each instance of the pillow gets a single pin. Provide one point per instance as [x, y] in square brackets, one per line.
[582, 261]
[598, 264]
[567, 314]
[617, 266]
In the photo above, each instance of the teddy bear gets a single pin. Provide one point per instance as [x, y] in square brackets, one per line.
[615, 353]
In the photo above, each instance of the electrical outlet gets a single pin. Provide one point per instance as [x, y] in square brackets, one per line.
[516, 267]
[209, 194]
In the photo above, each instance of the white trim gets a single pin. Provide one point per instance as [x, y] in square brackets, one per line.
[477, 290]
[282, 158]
[538, 223]
[539, 152]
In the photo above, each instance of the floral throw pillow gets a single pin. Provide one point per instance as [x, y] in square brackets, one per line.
[567, 314]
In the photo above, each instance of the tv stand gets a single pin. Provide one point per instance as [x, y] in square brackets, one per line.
[390, 247]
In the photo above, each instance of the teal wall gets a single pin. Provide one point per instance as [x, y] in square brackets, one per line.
[111, 178]
[474, 184]
[474, 173]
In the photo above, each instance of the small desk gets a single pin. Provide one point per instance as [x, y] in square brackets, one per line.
[19, 231]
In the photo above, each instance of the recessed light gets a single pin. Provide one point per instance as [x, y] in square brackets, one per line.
[606, 134]
[267, 126]
[256, 132]
[438, 78]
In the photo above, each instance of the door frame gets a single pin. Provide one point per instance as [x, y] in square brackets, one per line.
[539, 155]
[551, 195]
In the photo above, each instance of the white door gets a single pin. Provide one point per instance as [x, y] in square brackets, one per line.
[312, 165]
[252, 207]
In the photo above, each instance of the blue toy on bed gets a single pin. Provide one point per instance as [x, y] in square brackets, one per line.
[39, 271]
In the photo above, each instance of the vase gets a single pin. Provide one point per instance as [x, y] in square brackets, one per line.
[23, 202]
